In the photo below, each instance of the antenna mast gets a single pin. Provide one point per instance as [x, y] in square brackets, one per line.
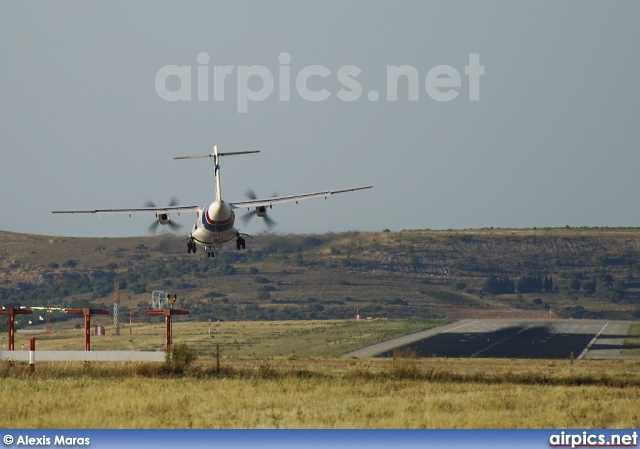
[116, 303]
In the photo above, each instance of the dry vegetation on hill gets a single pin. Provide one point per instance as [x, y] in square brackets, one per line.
[425, 274]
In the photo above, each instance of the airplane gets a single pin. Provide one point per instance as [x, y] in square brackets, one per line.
[215, 222]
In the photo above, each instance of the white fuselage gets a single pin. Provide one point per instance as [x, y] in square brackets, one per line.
[215, 224]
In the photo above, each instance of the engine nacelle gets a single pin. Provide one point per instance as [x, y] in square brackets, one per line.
[163, 219]
[261, 211]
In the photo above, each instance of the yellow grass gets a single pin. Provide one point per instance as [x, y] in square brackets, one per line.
[286, 375]
[325, 393]
[633, 340]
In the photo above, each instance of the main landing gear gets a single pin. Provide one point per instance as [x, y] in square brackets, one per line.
[240, 242]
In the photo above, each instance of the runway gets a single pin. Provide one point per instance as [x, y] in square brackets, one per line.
[524, 339]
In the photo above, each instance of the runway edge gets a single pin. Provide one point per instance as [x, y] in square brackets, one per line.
[379, 348]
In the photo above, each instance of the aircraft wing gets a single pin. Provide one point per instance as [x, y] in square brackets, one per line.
[292, 198]
[139, 210]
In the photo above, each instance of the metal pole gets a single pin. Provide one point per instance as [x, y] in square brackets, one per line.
[11, 313]
[116, 304]
[217, 359]
[32, 355]
[87, 331]
[168, 322]
[571, 357]
[12, 321]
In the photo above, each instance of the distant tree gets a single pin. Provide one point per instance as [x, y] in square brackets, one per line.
[263, 295]
[607, 288]
[575, 284]
[548, 284]
[531, 284]
[499, 286]
[70, 263]
[228, 270]
[119, 253]
[316, 308]
[397, 302]
[590, 287]
[138, 288]
[261, 280]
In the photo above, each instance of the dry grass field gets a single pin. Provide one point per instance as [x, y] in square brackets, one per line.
[306, 392]
[316, 338]
[633, 340]
[288, 375]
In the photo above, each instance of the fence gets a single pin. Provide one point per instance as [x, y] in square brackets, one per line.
[85, 356]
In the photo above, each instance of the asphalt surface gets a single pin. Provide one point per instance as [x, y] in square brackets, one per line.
[523, 339]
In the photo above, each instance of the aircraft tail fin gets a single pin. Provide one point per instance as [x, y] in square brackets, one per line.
[215, 155]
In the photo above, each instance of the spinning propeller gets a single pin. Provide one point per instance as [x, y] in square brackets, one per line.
[259, 211]
[163, 219]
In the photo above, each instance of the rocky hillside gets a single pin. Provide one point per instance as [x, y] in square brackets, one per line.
[469, 273]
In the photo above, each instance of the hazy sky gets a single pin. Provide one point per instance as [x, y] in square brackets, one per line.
[552, 140]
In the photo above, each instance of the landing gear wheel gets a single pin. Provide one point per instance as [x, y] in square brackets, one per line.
[240, 243]
[191, 247]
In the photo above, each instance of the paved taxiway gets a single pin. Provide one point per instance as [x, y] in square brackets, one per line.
[536, 339]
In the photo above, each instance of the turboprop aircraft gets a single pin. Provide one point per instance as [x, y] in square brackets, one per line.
[215, 222]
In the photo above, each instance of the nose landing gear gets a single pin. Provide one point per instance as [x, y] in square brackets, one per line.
[240, 242]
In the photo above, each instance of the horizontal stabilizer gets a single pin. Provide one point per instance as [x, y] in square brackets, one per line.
[219, 154]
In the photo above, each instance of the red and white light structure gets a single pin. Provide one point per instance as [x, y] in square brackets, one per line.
[32, 355]
[12, 312]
